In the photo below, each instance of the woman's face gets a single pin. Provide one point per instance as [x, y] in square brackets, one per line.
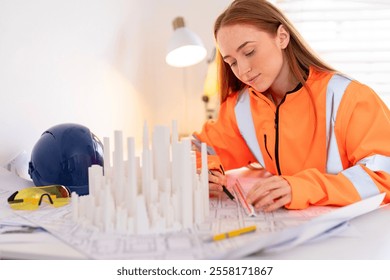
[255, 57]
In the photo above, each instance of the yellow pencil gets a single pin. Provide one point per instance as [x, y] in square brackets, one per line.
[233, 233]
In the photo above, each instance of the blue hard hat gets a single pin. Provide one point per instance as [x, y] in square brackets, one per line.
[63, 155]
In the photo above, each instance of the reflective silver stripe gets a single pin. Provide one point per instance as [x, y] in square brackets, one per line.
[362, 182]
[376, 163]
[334, 92]
[245, 124]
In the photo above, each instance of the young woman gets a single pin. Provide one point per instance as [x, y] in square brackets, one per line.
[322, 138]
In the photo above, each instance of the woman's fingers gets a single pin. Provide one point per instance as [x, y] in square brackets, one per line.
[270, 194]
[216, 180]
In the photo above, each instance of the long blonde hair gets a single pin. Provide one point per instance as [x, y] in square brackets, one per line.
[266, 17]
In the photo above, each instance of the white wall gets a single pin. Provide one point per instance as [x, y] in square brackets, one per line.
[100, 63]
[175, 93]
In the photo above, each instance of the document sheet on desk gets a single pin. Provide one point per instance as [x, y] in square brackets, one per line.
[278, 230]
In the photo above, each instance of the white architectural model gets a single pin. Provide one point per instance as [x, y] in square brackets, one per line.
[159, 193]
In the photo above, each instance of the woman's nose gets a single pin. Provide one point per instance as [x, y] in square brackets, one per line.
[244, 68]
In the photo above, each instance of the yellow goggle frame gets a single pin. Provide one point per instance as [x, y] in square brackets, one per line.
[32, 197]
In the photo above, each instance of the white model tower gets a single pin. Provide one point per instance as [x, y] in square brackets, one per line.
[158, 192]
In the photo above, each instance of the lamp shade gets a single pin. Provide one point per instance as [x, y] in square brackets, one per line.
[185, 48]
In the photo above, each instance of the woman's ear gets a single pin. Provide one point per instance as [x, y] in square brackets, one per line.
[283, 36]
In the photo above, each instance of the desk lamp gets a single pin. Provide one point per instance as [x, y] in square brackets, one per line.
[185, 48]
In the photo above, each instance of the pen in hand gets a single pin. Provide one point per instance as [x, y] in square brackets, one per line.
[229, 194]
[225, 190]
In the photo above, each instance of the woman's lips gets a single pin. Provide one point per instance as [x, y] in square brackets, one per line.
[252, 79]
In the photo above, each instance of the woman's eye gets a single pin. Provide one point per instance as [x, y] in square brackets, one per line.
[250, 53]
[231, 64]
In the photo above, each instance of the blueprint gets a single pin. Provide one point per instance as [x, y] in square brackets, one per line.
[225, 215]
[274, 230]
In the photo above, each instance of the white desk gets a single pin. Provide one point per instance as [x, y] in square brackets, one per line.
[39, 251]
[371, 242]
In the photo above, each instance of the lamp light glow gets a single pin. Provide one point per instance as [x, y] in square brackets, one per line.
[185, 48]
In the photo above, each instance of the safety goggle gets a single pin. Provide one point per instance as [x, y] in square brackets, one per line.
[32, 197]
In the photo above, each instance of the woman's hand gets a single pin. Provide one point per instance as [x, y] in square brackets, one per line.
[216, 181]
[270, 194]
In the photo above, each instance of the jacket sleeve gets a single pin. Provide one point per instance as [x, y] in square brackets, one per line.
[224, 141]
[363, 136]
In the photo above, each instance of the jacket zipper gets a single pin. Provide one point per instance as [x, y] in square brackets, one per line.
[266, 148]
[277, 136]
[299, 86]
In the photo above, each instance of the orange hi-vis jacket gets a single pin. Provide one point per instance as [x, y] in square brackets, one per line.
[330, 139]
